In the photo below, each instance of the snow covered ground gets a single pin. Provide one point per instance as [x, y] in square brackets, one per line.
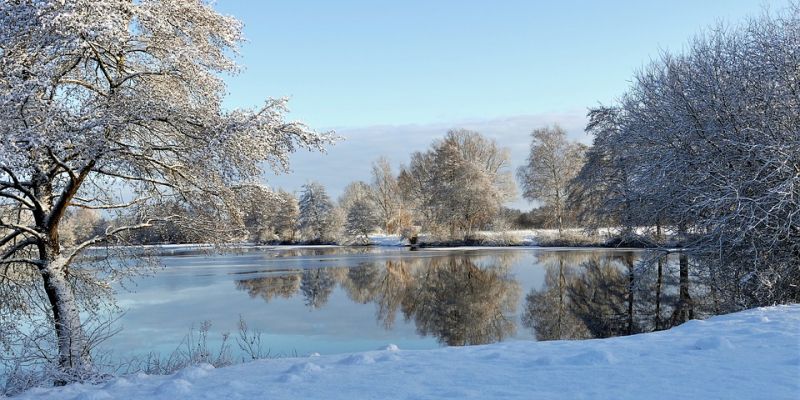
[529, 237]
[753, 354]
[379, 239]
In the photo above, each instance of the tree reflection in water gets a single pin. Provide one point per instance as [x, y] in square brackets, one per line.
[272, 286]
[453, 299]
[592, 296]
[460, 303]
[317, 285]
[548, 311]
[468, 299]
[386, 287]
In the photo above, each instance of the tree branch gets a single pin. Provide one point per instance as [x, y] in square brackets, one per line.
[106, 206]
[21, 187]
[110, 233]
[133, 178]
[37, 263]
[19, 246]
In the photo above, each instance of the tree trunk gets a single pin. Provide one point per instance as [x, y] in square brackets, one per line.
[659, 281]
[685, 308]
[561, 284]
[560, 226]
[629, 262]
[73, 352]
[659, 234]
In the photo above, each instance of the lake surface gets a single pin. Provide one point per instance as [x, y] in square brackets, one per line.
[342, 299]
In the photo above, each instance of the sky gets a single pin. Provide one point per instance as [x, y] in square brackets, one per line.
[391, 77]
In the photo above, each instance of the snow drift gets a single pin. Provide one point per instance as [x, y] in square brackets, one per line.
[753, 354]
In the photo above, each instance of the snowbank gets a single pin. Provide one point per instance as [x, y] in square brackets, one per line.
[753, 354]
[378, 239]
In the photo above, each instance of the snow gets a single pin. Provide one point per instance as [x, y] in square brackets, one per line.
[378, 239]
[525, 237]
[753, 354]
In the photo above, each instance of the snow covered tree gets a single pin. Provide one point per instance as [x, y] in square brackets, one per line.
[110, 105]
[258, 205]
[460, 184]
[362, 219]
[361, 213]
[285, 217]
[552, 163]
[354, 192]
[386, 195]
[717, 152]
[604, 192]
[268, 216]
[316, 212]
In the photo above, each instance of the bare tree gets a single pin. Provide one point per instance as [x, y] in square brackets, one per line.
[82, 224]
[552, 163]
[108, 106]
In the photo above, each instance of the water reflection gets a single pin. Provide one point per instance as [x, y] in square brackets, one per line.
[461, 303]
[465, 299]
[596, 297]
[386, 287]
[547, 311]
[453, 299]
[317, 285]
[270, 287]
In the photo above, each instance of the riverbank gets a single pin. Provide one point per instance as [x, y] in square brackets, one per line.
[753, 354]
[605, 238]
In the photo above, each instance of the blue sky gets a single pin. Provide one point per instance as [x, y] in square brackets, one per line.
[393, 76]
